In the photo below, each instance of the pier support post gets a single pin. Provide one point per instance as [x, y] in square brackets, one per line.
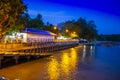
[28, 58]
[16, 57]
[1, 57]
[0, 63]
[37, 57]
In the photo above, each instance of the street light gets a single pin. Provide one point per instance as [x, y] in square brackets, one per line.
[74, 32]
[66, 30]
[55, 27]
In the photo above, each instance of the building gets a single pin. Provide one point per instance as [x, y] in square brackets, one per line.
[34, 35]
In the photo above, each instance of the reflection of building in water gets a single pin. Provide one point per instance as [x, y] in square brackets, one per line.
[88, 52]
[92, 50]
[53, 69]
[84, 53]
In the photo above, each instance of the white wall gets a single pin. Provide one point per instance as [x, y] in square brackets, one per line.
[39, 37]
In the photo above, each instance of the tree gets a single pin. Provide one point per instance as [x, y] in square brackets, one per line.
[10, 14]
[80, 28]
[36, 22]
[60, 25]
[52, 28]
[89, 31]
[112, 37]
[70, 29]
[25, 19]
[92, 28]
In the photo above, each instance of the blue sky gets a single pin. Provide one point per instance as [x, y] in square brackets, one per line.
[105, 13]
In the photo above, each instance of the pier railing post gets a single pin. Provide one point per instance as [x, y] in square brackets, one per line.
[1, 57]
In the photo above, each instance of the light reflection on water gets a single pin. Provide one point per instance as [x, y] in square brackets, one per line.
[65, 67]
[79, 63]
[84, 53]
[53, 70]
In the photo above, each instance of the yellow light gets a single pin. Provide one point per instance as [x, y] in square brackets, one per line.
[55, 27]
[66, 30]
[53, 70]
[65, 63]
[74, 32]
[69, 62]
[73, 57]
[73, 35]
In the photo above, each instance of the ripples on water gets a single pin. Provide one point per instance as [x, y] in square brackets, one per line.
[79, 63]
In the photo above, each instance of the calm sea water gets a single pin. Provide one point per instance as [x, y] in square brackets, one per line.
[78, 63]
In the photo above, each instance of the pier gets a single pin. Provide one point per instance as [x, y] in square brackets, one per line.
[16, 51]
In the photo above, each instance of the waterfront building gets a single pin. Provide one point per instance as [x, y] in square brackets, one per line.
[32, 35]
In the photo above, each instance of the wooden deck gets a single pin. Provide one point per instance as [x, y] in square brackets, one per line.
[16, 51]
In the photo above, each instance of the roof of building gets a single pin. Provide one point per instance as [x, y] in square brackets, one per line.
[36, 31]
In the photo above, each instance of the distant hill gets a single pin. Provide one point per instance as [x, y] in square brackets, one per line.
[112, 37]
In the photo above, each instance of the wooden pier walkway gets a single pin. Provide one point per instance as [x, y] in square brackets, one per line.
[28, 50]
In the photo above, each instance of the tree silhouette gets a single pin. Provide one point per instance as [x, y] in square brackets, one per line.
[10, 14]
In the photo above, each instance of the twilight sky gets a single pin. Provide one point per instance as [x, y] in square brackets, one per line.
[105, 13]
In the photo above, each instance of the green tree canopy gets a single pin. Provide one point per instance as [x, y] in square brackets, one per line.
[52, 28]
[80, 28]
[70, 28]
[10, 14]
[35, 22]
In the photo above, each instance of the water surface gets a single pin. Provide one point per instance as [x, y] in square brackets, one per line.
[78, 63]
